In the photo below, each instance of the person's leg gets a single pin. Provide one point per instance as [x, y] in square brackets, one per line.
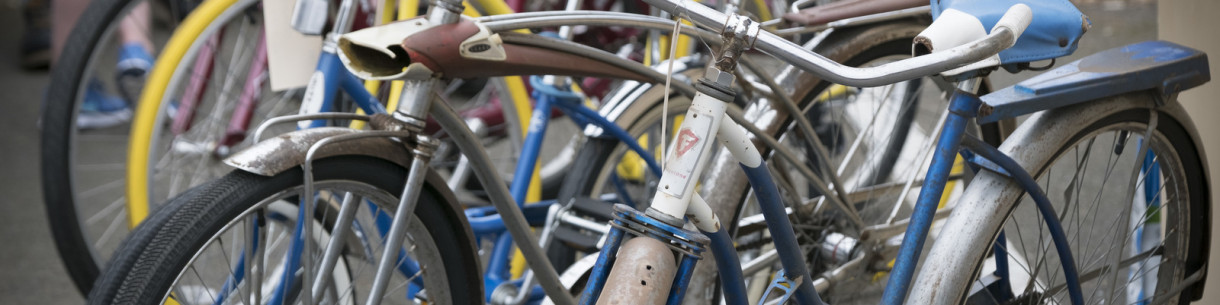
[63, 15]
[135, 54]
[134, 29]
[101, 106]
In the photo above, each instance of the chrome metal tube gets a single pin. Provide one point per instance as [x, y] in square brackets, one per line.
[599, 55]
[398, 228]
[347, 213]
[504, 23]
[867, 19]
[906, 69]
[343, 19]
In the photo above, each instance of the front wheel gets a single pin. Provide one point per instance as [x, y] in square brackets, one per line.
[1137, 224]
[230, 239]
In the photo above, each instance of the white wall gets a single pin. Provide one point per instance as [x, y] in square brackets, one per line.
[1194, 23]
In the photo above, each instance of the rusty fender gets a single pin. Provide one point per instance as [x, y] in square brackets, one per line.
[287, 151]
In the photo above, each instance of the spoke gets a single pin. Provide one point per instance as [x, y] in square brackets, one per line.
[115, 206]
[102, 167]
[202, 285]
[113, 227]
[100, 188]
[229, 266]
[1095, 273]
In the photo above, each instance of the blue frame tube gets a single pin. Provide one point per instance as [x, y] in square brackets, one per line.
[1071, 275]
[328, 63]
[729, 266]
[530, 149]
[790, 254]
[601, 269]
[484, 221]
[293, 262]
[355, 89]
[962, 108]
[497, 267]
[1001, 267]
[685, 269]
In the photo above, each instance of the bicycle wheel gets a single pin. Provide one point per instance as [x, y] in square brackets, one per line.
[1137, 224]
[194, 249]
[84, 123]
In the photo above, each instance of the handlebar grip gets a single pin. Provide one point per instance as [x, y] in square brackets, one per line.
[1016, 19]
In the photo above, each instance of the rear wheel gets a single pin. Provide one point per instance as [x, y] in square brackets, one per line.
[1136, 223]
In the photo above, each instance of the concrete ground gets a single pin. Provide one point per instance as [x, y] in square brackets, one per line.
[30, 270]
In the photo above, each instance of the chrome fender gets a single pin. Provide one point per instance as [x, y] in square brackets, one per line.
[275, 155]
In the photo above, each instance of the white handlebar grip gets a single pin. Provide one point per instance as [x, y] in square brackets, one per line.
[1016, 19]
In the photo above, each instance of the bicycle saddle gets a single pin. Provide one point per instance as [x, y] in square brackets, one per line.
[1054, 30]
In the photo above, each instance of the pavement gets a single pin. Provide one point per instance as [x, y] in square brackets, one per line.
[30, 270]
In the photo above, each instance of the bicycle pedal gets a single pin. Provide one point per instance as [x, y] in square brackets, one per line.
[782, 284]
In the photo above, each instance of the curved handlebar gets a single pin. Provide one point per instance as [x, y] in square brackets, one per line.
[1014, 21]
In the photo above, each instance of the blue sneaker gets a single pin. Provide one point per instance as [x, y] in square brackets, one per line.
[132, 70]
[101, 109]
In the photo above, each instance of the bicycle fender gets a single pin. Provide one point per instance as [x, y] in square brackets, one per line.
[1164, 67]
[287, 151]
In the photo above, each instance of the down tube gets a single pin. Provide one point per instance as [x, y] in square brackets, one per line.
[962, 108]
[790, 254]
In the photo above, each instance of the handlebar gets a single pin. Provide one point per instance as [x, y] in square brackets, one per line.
[1002, 36]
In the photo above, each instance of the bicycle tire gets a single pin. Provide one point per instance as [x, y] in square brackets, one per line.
[156, 255]
[64, 186]
[1050, 135]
